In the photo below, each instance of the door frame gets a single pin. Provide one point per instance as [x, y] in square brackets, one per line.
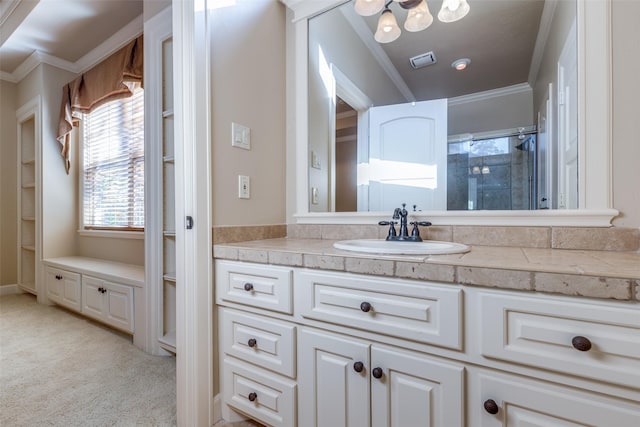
[194, 299]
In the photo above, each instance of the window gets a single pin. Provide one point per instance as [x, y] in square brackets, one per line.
[113, 165]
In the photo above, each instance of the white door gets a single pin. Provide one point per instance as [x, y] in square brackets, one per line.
[331, 390]
[118, 308]
[568, 124]
[415, 390]
[92, 298]
[408, 156]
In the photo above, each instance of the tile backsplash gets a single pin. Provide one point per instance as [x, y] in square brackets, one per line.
[580, 238]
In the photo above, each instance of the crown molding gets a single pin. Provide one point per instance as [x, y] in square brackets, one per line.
[116, 41]
[488, 94]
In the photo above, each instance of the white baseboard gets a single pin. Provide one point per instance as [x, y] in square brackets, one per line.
[217, 408]
[10, 290]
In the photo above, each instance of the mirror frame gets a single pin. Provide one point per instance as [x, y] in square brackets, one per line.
[594, 131]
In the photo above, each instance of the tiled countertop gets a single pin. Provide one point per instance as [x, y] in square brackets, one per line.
[595, 274]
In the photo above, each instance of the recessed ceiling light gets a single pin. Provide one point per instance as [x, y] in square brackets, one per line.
[461, 64]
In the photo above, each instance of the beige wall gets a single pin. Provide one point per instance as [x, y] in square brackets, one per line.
[626, 133]
[500, 112]
[248, 87]
[152, 7]
[8, 184]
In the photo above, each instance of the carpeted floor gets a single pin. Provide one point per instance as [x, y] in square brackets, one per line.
[61, 369]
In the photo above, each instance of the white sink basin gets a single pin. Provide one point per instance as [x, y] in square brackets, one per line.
[426, 247]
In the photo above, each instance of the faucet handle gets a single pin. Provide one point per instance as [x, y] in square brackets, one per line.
[415, 232]
[392, 229]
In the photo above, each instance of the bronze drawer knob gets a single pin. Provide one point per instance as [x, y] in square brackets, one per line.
[491, 406]
[377, 373]
[366, 307]
[358, 366]
[248, 287]
[581, 343]
[252, 342]
[252, 396]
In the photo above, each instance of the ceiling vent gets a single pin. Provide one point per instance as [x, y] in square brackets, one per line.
[423, 60]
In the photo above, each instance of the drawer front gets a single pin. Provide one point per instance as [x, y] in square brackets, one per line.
[523, 402]
[268, 398]
[541, 332]
[63, 287]
[410, 310]
[267, 343]
[261, 286]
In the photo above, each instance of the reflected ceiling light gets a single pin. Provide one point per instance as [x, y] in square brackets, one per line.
[418, 16]
[368, 7]
[461, 64]
[453, 10]
[388, 29]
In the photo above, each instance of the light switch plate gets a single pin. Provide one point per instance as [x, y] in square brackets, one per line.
[244, 187]
[314, 196]
[240, 136]
[315, 160]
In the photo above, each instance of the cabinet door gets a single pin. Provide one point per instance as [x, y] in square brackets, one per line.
[332, 392]
[92, 298]
[118, 306]
[415, 390]
[520, 402]
[63, 287]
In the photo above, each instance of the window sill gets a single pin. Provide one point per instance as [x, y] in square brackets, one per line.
[112, 234]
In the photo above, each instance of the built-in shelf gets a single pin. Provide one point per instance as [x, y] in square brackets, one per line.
[168, 233]
[29, 248]
[28, 218]
[167, 113]
[29, 162]
[168, 159]
[29, 185]
[170, 277]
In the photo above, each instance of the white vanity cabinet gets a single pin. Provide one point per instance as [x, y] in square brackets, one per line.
[345, 381]
[108, 302]
[312, 348]
[63, 287]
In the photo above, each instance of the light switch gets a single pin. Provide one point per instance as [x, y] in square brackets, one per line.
[240, 136]
[244, 187]
[314, 196]
[315, 160]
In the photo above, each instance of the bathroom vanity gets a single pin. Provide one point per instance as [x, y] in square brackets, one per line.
[315, 336]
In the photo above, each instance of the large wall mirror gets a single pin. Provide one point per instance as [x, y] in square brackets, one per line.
[391, 122]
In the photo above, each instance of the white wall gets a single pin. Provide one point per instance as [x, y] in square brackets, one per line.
[248, 87]
[8, 184]
[626, 133]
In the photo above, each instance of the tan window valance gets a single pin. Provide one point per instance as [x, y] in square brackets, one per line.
[102, 83]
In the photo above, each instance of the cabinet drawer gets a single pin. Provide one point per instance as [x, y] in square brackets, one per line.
[267, 343]
[540, 332]
[415, 311]
[256, 285]
[63, 287]
[532, 403]
[268, 398]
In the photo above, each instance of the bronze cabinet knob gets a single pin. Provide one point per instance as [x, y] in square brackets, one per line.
[366, 307]
[581, 343]
[358, 366]
[252, 396]
[252, 342]
[248, 287]
[491, 406]
[377, 373]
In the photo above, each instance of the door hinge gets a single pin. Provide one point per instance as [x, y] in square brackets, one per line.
[189, 222]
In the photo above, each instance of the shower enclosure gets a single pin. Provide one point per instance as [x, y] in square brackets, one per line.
[493, 172]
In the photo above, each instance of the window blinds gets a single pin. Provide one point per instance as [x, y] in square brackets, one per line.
[113, 159]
